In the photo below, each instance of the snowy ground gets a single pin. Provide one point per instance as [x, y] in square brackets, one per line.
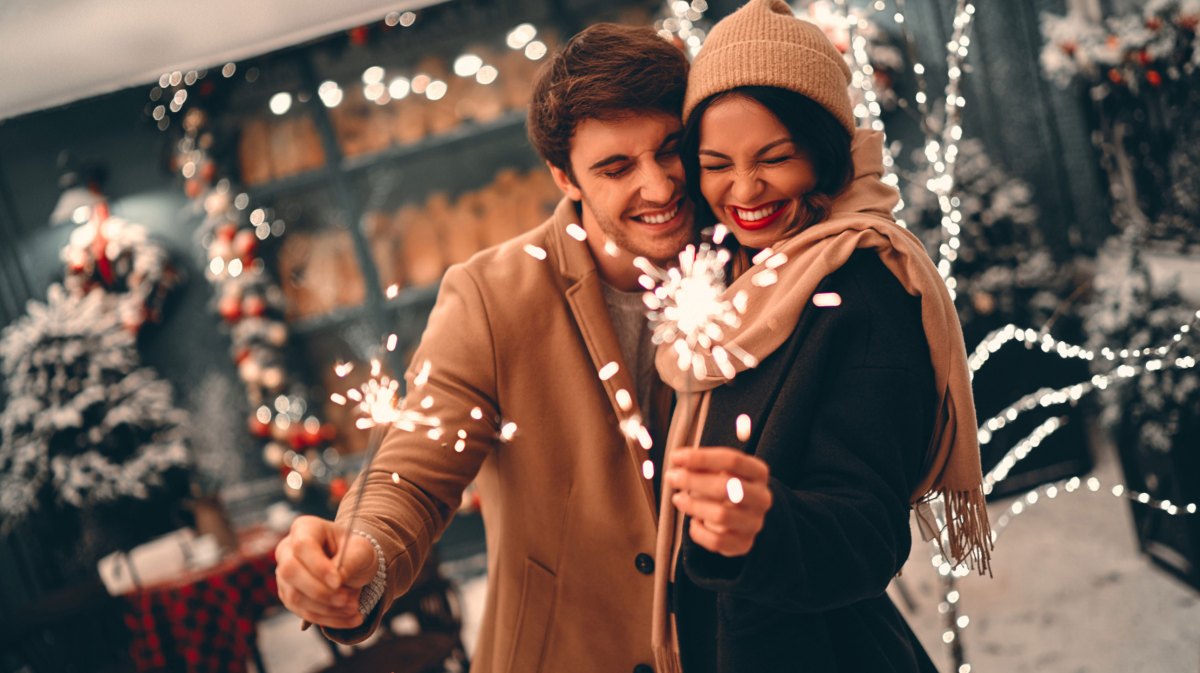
[1071, 594]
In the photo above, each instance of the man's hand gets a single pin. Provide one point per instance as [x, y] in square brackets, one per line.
[725, 492]
[310, 584]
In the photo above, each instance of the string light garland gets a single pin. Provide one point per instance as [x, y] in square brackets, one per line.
[943, 153]
[1020, 451]
[863, 79]
[683, 24]
[1048, 397]
[998, 338]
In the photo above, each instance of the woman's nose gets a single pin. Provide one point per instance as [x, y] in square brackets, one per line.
[746, 187]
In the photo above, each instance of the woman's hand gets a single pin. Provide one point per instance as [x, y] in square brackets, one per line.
[725, 492]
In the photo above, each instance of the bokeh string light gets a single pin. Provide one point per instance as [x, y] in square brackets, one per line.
[869, 111]
[943, 152]
[682, 24]
[1020, 451]
[997, 339]
[1049, 397]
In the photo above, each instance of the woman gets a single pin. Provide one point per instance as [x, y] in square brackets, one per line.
[775, 555]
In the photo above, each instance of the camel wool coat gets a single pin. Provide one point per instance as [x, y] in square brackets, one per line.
[570, 519]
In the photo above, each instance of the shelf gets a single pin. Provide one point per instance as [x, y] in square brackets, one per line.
[418, 299]
[338, 316]
[291, 183]
[468, 132]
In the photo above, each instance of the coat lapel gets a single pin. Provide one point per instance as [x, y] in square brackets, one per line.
[586, 299]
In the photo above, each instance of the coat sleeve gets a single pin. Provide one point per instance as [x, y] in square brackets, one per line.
[416, 482]
[838, 528]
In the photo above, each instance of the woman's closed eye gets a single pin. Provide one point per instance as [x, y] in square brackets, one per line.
[714, 167]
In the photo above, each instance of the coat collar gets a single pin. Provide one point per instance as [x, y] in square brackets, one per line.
[586, 298]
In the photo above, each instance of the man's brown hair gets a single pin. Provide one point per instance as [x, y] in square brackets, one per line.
[605, 72]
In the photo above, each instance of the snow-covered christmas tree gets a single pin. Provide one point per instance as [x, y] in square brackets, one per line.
[84, 426]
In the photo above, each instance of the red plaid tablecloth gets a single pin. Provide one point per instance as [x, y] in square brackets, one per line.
[204, 622]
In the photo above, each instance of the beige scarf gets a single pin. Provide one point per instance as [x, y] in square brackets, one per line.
[860, 217]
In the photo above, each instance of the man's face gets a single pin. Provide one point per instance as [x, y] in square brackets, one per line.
[630, 179]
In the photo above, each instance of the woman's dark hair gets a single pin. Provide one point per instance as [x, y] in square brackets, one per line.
[817, 132]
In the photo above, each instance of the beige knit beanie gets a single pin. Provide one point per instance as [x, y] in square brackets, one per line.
[764, 44]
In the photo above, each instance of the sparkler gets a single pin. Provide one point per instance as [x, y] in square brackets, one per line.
[380, 406]
[687, 309]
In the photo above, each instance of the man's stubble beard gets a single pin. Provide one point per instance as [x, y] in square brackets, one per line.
[618, 236]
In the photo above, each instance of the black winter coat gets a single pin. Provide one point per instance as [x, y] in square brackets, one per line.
[843, 414]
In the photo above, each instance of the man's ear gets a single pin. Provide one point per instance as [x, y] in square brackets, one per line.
[565, 183]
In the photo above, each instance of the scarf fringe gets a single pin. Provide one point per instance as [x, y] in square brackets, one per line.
[967, 530]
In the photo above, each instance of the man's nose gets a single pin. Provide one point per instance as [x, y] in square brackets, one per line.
[657, 186]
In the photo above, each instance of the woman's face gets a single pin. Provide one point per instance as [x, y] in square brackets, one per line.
[752, 174]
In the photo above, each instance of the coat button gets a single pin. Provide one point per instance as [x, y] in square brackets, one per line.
[645, 565]
[642, 668]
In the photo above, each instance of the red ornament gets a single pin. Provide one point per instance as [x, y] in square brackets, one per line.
[1154, 23]
[208, 171]
[359, 35]
[230, 308]
[193, 188]
[338, 488]
[312, 439]
[226, 232]
[328, 432]
[258, 428]
[296, 439]
[254, 306]
[245, 243]
[1154, 78]
[241, 355]
[1143, 58]
[1114, 76]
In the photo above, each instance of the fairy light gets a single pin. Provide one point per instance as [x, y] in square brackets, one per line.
[688, 311]
[1049, 397]
[943, 153]
[1093, 485]
[997, 339]
[681, 24]
[1020, 451]
[863, 79]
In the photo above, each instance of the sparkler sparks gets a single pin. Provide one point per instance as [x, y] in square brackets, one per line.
[379, 404]
[576, 232]
[687, 309]
[735, 490]
[743, 428]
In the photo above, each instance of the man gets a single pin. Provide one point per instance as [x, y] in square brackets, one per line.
[545, 331]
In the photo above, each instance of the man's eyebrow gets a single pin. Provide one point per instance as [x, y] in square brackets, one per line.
[763, 150]
[617, 158]
[609, 160]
